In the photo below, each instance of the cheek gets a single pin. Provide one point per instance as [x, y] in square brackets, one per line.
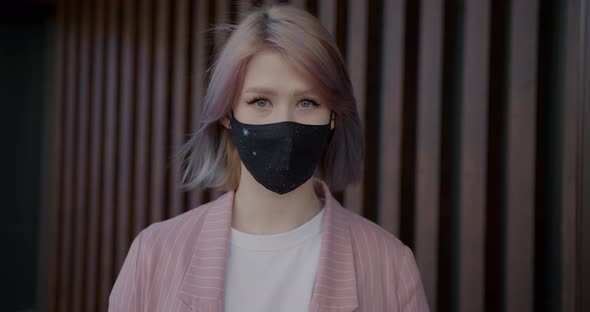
[249, 113]
[315, 116]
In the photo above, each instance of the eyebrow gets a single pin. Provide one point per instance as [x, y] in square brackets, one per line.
[270, 92]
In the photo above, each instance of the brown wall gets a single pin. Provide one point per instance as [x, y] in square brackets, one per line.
[473, 114]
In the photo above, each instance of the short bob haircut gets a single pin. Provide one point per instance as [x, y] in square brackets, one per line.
[210, 159]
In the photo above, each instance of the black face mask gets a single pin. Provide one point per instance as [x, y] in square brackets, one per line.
[281, 156]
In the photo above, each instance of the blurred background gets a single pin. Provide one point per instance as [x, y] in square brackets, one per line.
[476, 116]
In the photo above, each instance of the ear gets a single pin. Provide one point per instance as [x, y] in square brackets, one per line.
[225, 121]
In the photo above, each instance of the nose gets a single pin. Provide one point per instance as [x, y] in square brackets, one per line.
[285, 113]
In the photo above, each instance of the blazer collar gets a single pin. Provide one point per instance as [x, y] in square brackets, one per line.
[203, 284]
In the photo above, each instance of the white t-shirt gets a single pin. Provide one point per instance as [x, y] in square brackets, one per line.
[273, 272]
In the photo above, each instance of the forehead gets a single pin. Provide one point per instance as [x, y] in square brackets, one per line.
[271, 70]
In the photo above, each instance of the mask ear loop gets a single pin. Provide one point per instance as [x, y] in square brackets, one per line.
[231, 117]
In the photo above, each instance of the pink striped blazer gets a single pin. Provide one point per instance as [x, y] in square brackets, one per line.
[179, 264]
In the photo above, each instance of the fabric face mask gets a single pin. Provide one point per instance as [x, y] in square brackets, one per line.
[281, 156]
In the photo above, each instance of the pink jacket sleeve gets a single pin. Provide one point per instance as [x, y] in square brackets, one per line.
[125, 295]
[411, 294]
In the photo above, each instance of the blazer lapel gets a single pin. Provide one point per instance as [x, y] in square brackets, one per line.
[203, 283]
[335, 282]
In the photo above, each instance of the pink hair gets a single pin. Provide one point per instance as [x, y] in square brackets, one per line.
[209, 158]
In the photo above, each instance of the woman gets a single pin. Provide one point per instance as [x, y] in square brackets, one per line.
[279, 109]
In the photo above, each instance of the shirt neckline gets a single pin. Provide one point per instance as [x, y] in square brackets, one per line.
[278, 241]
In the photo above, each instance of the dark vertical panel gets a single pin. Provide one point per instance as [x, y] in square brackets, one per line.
[496, 176]
[199, 55]
[342, 28]
[179, 96]
[372, 116]
[71, 89]
[547, 153]
[108, 271]
[159, 145]
[142, 114]
[80, 188]
[58, 148]
[428, 145]
[472, 172]
[357, 62]
[408, 115]
[391, 99]
[447, 299]
[92, 265]
[126, 123]
[520, 165]
[571, 193]
[312, 7]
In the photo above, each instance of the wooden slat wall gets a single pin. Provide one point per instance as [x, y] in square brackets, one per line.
[447, 90]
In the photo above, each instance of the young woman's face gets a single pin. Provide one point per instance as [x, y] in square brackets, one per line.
[274, 91]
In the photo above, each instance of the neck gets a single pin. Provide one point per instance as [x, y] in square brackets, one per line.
[257, 210]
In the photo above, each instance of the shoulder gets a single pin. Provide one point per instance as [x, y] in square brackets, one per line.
[382, 259]
[378, 254]
[374, 237]
[167, 235]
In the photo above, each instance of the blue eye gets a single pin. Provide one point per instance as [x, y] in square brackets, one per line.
[307, 103]
[260, 102]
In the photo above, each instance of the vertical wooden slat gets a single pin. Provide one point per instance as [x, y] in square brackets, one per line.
[298, 3]
[571, 292]
[57, 185]
[222, 17]
[159, 145]
[126, 122]
[428, 145]
[199, 54]
[92, 265]
[357, 62]
[142, 109]
[520, 167]
[391, 97]
[327, 15]
[180, 99]
[71, 88]
[80, 206]
[473, 155]
[107, 270]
